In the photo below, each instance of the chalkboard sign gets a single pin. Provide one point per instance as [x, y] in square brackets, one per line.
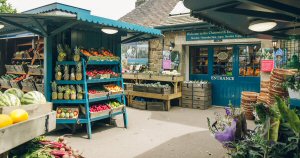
[211, 35]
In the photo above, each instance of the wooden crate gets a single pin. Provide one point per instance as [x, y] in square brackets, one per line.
[143, 76]
[185, 101]
[187, 93]
[187, 105]
[128, 86]
[202, 86]
[15, 84]
[201, 104]
[201, 93]
[28, 86]
[200, 98]
[32, 109]
[139, 88]
[20, 68]
[99, 114]
[118, 109]
[17, 134]
[139, 104]
[156, 106]
[5, 83]
[40, 87]
[10, 68]
[159, 90]
[187, 97]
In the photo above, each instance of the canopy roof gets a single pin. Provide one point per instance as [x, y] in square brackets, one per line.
[236, 15]
[54, 18]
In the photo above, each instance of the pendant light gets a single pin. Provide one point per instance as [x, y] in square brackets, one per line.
[109, 30]
[261, 25]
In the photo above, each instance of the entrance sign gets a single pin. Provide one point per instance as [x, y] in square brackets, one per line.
[224, 78]
[211, 35]
[267, 65]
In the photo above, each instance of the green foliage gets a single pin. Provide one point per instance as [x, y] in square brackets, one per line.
[6, 7]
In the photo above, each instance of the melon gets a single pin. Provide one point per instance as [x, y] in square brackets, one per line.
[19, 115]
[9, 100]
[15, 91]
[33, 97]
[5, 120]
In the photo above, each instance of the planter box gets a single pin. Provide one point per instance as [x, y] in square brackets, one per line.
[32, 109]
[156, 106]
[139, 104]
[17, 134]
[294, 94]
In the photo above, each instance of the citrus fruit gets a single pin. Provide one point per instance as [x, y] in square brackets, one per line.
[5, 120]
[19, 115]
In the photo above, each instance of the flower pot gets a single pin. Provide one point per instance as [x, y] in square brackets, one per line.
[294, 94]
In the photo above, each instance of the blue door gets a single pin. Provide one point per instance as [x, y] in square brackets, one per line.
[231, 69]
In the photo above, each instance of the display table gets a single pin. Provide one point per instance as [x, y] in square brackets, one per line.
[138, 78]
[17, 134]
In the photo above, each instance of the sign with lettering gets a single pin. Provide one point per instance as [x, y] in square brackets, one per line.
[211, 35]
[267, 65]
[224, 78]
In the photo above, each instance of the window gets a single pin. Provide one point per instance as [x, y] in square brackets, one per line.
[249, 61]
[199, 58]
[223, 61]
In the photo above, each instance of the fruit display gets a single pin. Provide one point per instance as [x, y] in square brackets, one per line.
[58, 72]
[103, 55]
[33, 97]
[113, 88]
[41, 147]
[62, 54]
[94, 93]
[99, 108]
[15, 91]
[66, 92]
[69, 72]
[101, 74]
[9, 100]
[67, 112]
[115, 104]
[79, 92]
[78, 75]
[76, 56]
[19, 115]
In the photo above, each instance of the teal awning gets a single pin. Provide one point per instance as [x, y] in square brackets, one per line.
[42, 22]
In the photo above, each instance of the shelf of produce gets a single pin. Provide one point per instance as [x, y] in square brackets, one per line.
[69, 101]
[115, 96]
[100, 118]
[13, 136]
[104, 80]
[154, 95]
[16, 73]
[103, 63]
[295, 103]
[70, 121]
[69, 82]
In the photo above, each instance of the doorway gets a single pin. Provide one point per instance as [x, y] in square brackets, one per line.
[230, 68]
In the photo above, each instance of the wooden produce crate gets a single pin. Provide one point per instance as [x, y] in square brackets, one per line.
[159, 90]
[202, 93]
[40, 87]
[187, 87]
[20, 68]
[32, 109]
[200, 98]
[73, 109]
[139, 104]
[187, 93]
[16, 84]
[35, 70]
[118, 109]
[156, 106]
[143, 76]
[99, 114]
[128, 86]
[5, 83]
[10, 68]
[187, 97]
[202, 85]
[17, 134]
[28, 86]
[201, 104]
[139, 88]
[97, 95]
[130, 76]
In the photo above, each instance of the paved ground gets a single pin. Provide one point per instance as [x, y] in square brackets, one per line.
[179, 133]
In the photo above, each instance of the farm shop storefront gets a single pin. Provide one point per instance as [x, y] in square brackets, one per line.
[227, 60]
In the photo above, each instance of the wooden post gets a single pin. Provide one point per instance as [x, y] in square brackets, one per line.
[168, 105]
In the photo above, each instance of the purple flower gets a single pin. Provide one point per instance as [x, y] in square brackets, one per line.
[228, 134]
[228, 112]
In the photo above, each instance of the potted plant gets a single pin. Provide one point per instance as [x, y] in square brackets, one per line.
[292, 84]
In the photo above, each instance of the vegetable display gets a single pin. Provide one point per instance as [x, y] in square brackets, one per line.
[33, 97]
[99, 108]
[15, 91]
[9, 100]
[67, 113]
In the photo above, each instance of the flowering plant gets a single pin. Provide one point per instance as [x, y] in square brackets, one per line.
[230, 127]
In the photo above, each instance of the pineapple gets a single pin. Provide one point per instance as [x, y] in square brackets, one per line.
[60, 94]
[67, 93]
[61, 53]
[79, 72]
[54, 90]
[66, 73]
[72, 75]
[58, 73]
[76, 56]
[73, 92]
[79, 92]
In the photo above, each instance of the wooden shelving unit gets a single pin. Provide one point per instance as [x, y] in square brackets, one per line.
[139, 78]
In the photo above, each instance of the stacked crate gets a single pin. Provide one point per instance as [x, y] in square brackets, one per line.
[196, 95]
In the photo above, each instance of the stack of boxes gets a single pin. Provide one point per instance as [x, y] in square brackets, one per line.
[196, 95]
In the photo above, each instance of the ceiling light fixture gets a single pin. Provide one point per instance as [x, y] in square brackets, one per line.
[109, 30]
[1, 25]
[261, 25]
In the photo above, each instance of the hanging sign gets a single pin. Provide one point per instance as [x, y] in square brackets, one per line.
[224, 78]
[211, 35]
[267, 65]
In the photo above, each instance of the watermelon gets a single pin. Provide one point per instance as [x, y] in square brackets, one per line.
[33, 97]
[9, 100]
[15, 91]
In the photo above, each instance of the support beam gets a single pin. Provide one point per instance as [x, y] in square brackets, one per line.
[48, 66]
[128, 40]
[39, 25]
[277, 6]
[64, 27]
[20, 26]
[214, 7]
[258, 14]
